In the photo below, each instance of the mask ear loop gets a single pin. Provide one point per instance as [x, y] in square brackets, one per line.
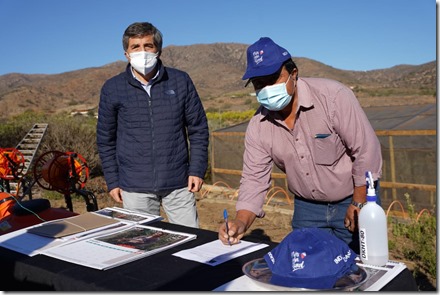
[294, 84]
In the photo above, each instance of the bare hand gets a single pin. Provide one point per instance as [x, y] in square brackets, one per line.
[194, 184]
[351, 218]
[116, 194]
[352, 214]
[237, 229]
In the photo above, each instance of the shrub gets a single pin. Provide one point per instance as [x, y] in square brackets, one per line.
[64, 134]
[421, 230]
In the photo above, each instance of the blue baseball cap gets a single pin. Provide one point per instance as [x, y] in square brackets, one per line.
[310, 258]
[264, 57]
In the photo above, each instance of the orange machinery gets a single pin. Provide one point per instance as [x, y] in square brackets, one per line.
[64, 172]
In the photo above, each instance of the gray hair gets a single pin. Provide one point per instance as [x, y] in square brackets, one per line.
[141, 30]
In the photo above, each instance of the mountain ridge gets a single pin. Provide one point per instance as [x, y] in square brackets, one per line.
[216, 70]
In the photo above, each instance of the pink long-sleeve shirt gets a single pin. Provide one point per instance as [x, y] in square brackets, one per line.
[321, 169]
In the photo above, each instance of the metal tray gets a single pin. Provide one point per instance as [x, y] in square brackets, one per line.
[259, 272]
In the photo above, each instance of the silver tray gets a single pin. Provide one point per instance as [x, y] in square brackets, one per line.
[259, 272]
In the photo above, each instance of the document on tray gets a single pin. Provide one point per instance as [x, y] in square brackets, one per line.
[120, 247]
[379, 276]
[215, 252]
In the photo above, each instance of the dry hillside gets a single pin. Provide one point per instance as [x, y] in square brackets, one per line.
[216, 70]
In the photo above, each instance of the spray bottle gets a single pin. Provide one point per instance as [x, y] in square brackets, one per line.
[373, 232]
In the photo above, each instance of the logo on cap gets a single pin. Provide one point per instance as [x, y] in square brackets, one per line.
[298, 260]
[258, 56]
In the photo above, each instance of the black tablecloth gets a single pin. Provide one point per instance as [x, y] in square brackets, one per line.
[158, 272]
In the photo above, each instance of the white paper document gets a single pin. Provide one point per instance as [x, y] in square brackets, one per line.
[215, 252]
[128, 216]
[26, 243]
[119, 247]
[379, 276]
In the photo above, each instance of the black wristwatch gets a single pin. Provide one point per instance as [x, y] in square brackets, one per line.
[356, 204]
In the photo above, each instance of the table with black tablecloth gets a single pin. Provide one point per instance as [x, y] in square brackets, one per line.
[159, 272]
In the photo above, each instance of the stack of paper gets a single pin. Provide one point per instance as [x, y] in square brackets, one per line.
[104, 252]
[38, 239]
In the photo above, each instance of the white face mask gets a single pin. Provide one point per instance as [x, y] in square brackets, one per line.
[274, 97]
[143, 61]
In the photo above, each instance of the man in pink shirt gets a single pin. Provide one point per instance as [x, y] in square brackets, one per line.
[314, 130]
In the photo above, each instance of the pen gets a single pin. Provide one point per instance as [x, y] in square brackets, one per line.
[225, 216]
[322, 135]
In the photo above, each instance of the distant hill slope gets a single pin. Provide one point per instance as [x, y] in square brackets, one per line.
[216, 70]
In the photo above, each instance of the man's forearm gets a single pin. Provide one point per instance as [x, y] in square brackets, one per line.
[245, 216]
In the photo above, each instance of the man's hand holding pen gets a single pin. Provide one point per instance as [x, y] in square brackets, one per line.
[231, 231]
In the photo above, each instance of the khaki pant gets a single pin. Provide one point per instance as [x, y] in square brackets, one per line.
[179, 205]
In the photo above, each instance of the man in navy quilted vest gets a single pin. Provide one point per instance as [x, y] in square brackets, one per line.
[152, 132]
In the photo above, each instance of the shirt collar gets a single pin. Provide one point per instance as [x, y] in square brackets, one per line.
[305, 99]
[150, 81]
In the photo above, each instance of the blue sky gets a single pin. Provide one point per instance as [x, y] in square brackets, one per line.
[55, 36]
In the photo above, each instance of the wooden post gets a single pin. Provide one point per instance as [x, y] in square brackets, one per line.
[392, 166]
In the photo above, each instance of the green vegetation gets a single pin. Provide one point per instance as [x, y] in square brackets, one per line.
[52, 195]
[13, 130]
[219, 120]
[64, 134]
[418, 236]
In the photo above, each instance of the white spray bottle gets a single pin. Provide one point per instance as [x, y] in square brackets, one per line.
[373, 231]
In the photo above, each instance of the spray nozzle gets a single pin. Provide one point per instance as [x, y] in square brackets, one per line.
[370, 185]
[370, 180]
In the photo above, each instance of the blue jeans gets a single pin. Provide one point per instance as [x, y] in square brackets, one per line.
[327, 216]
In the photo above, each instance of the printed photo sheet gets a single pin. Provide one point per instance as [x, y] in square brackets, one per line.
[104, 252]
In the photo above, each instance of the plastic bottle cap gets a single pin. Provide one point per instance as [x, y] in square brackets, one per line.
[371, 194]
[371, 198]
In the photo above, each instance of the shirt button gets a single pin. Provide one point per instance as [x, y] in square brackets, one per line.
[297, 139]
[307, 174]
[313, 190]
[302, 157]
